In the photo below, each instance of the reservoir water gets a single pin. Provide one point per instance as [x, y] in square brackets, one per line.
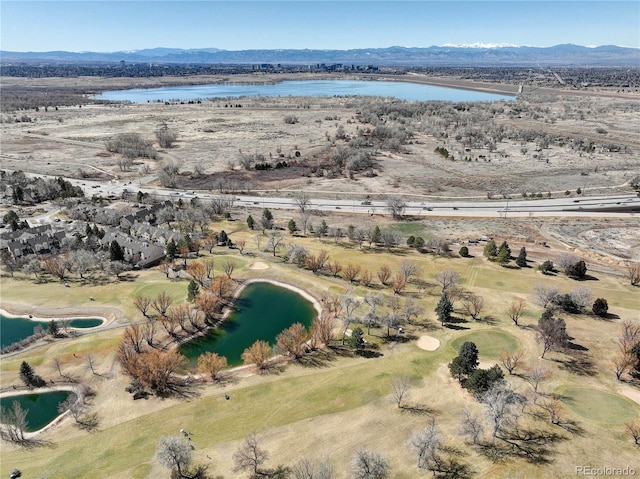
[262, 311]
[42, 408]
[13, 330]
[318, 88]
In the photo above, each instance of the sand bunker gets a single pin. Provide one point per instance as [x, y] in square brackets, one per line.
[631, 394]
[486, 364]
[428, 343]
[258, 265]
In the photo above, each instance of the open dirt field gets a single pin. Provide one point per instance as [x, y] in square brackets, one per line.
[541, 143]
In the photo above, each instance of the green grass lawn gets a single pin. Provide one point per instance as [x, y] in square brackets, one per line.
[348, 395]
[128, 446]
[490, 343]
[599, 406]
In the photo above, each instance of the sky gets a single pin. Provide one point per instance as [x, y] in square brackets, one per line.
[106, 26]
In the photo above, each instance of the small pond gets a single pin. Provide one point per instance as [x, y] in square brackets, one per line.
[315, 88]
[263, 310]
[42, 408]
[13, 330]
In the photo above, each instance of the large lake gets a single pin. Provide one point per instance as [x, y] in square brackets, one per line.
[263, 310]
[323, 88]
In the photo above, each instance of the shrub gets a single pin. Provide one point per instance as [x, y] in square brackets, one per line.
[464, 252]
[600, 307]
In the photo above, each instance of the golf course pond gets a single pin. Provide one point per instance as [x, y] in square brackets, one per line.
[14, 329]
[41, 407]
[261, 311]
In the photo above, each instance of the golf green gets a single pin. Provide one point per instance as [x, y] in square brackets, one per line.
[489, 343]
[598, 406]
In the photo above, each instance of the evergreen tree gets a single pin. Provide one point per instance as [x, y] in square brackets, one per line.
[503, 256]
[577, 270]
[468, 354]
[418, 243]
[490, 250]
[192, 290]
[267, 220]
[292, 226]
[411, 240]
[250, 222]
[377, 234]
[172, 250]
[52, 329]
[324, 229]
[521, 260]
[464, 252]
[481, 380]
[600, 307]
[505, 245]
[444, 309]
[356, 341]
[223, 238]
[27, 374]
[115, 252]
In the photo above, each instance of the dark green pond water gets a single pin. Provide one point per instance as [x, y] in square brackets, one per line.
[263, 311]
[13, 330]
[42, 408]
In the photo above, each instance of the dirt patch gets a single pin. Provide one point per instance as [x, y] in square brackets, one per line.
[428, 343]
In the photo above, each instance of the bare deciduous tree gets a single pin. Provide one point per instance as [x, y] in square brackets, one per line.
[322, 329]
[250, 456]
[292, 340]
[633, 428]
[537, 375]
[499, 402]
[399, 389]
[409, 269]
[369, 465]
[161, 303]
[473, 305]
[511, 361]
[303, 202]
[396, 206]
[471, 425]
[259, 353]
[425, 444]
[212, 364]
[306, 469]
[13, 423]
[350, 272]
[174, 452]
[447, 279]
[633, 273]
[143, 303]
[384, 274]
[625, 360]
[516, 309]
[545, 295]
[275, 240]
[229, 266]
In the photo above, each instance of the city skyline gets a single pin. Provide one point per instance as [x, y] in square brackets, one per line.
[110, 26]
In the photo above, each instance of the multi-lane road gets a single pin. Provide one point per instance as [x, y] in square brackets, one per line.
[625, 205]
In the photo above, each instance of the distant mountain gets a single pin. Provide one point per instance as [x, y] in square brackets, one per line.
[468, 55]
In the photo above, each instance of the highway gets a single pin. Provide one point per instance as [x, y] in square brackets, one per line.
[625, 205]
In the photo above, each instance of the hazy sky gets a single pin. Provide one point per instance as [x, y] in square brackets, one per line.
[238, 25]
